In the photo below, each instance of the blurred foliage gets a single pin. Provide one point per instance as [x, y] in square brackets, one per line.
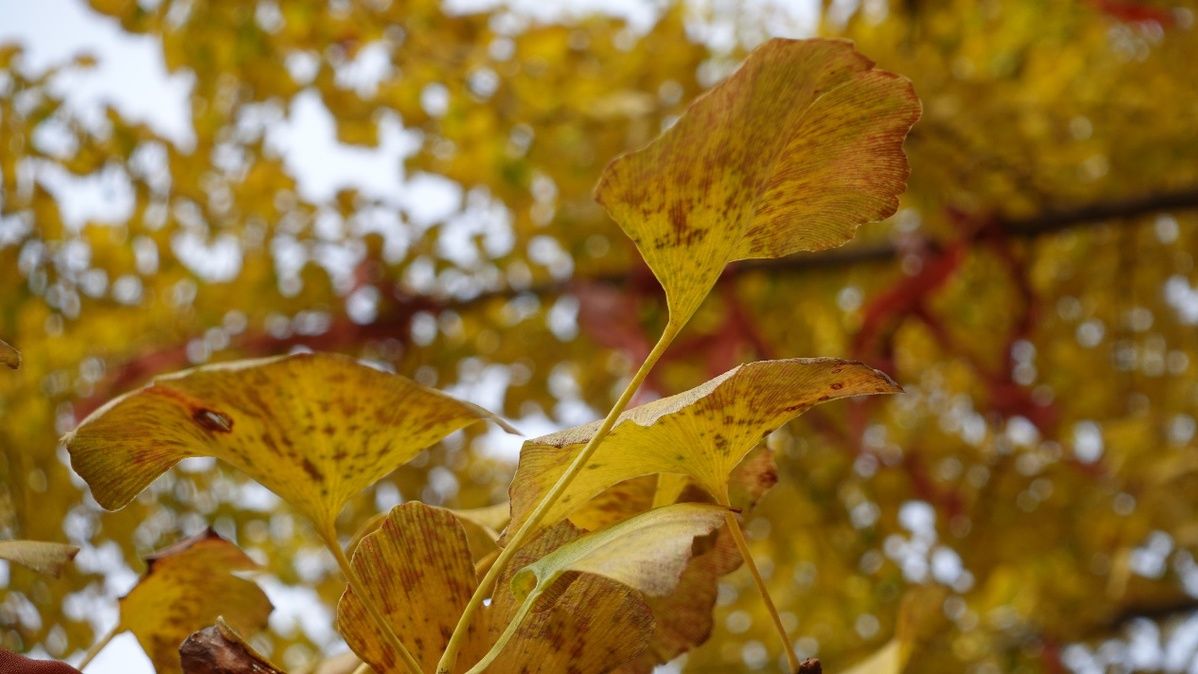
[1035, 296]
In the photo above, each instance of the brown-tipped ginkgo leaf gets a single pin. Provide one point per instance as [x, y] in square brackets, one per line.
[791, 153]
[187, 587]
[9, 356]
[314, 428]
[702, 433]
[219, 649]
[43, 557]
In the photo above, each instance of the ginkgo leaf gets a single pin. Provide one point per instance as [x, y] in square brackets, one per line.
[187, 587]
[683, 618]
[702, 433]
[418, 566]
[41, 556]
[791, 153]
[9, 356]
[647, 552]
[219, 649]
[314, 428]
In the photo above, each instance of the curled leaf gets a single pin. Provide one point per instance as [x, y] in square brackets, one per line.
[187, 587]
[43, 557]
[646, 553]
[793, 152]
[219, 649]
[9, 356]
[702, 433]
[314, 428]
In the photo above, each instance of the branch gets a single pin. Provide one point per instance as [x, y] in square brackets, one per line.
[395, 323]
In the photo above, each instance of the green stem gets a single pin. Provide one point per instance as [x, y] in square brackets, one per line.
[743, 546]
[450, 656]
[98, 646]
[360, 590]
[508, 632]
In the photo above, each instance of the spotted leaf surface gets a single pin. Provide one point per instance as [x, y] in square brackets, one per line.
[314, 428]
[43, 557]
[418, 566]
[9, 356]
[187, 587]
[702, 433]
[791, 153]
[419, 569]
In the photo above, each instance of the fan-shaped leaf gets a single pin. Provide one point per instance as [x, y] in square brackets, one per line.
[187, 587]
[43, 557]
[314, 428]
[702, 433]
[791, 153]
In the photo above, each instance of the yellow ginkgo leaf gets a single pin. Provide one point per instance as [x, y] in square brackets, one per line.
[791, 153]
[9, 356]
[187, 587]
[702, 433]
[43, 557]
[314, 428]
[418, 567]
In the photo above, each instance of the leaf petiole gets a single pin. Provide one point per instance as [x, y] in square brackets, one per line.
[742, 545]
[449, 657]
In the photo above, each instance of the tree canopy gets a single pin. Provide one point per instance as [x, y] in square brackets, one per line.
[1026, 499]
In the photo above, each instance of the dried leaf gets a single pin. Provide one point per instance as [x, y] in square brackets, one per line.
[314, 428]
[9, 356]
[791, 153]
[219, 649]
[702, 433]
[43, 557]
[187, 587]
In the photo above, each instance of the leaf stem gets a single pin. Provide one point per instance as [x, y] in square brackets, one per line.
[743, 546]
[449, 657]
[507, 635]
[355, 584]
[98, 646]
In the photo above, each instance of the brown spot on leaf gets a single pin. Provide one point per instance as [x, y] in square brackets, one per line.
[212, 420]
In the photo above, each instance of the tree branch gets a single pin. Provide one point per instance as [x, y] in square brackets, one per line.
[395, 323]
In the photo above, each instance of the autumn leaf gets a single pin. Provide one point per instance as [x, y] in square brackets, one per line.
[314, 428]
[43, 557]
[9, 356]
[647, 553]
[791, 153]
[683, 617]
[219, 649]
[418, 566]
[702, 433]
[186, 587]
